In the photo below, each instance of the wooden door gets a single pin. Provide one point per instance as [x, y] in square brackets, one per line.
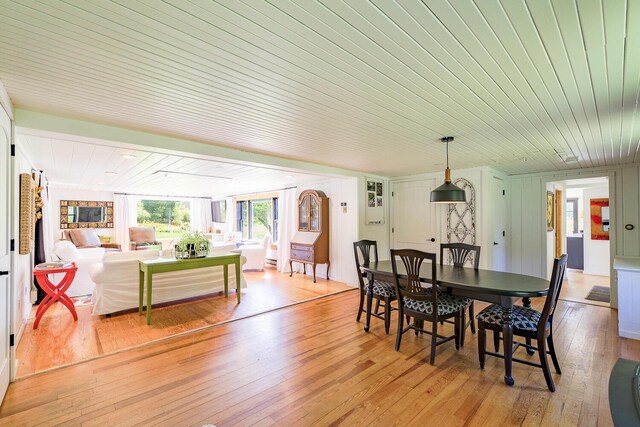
[499, 219]
[5, 258]
[559, 237]
[414, 223]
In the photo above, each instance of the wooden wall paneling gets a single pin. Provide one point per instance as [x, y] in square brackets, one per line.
[516, 225]
[538, 208]
[631, 211]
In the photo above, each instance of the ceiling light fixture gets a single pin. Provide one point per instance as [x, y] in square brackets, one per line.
[448, 192]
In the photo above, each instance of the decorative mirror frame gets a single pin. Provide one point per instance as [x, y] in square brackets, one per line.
[64, 213]
[461, 218]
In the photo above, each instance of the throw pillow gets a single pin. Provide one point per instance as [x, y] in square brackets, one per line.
[85, 238]
[66, 251]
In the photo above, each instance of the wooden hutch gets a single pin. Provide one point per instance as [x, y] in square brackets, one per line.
[310, 245]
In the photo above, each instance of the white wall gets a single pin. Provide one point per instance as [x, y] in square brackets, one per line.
[343, 227]
[481, 179]
[22, 264]
[528, 247]
[596, 252]
[378, 232]
[67, 193]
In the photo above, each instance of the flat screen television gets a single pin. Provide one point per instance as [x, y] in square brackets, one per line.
[219, 211]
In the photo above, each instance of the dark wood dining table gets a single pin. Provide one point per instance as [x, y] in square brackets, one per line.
[496, 287]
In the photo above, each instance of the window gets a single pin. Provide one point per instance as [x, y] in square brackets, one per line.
[171, 218]
[255, 218]
[572, 216]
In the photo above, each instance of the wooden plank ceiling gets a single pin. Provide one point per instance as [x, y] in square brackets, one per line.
[105, 166]
[524, 86]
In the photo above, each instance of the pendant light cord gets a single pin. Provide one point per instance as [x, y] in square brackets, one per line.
[447, 153]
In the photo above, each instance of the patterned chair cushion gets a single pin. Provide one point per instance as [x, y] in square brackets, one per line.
[383, 289]
[525, 319]
[447, 304]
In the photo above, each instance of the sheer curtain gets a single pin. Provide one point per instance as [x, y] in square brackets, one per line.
[125, 215]
[229, 212]
[201, 215]
[287, 225]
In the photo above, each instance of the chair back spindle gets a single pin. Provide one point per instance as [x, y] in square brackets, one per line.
[363, 249]
[460, 252]
[410, 286]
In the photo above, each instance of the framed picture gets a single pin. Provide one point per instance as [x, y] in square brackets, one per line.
[550, 209]
[600, 221]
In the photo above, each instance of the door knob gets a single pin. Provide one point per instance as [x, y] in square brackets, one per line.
[432, 239]
[495, 243]
[4, 273]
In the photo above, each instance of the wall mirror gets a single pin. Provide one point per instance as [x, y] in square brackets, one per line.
[85, 214]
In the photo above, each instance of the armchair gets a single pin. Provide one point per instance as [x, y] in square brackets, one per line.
[256, 254]
[142, 237]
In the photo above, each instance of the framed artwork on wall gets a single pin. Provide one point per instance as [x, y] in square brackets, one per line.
[374, 211]
[550, 210]
[599, 210]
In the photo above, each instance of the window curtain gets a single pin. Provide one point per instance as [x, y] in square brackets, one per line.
[125, 215]
[287, 225]
[201, 215]
[229, 219]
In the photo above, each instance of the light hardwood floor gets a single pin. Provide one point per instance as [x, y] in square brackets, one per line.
[60, 341]
[312, 364]
[577, 286]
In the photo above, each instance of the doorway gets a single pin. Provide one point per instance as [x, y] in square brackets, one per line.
[581, 230]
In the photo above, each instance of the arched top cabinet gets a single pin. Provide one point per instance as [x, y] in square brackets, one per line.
[310, 245]
[311, 204]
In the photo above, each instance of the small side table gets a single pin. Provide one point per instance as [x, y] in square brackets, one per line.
[55, 292]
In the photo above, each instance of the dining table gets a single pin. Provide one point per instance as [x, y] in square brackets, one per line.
[496, 287]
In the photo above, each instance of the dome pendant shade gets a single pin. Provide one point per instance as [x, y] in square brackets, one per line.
[448, 192]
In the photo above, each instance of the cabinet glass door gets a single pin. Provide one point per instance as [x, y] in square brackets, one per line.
[303, 215]
[314, 214]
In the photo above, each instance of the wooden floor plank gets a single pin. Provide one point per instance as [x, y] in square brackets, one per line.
[312, 364]
[60, 341]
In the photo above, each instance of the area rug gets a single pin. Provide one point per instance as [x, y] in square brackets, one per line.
[599, 293]
[83, 300]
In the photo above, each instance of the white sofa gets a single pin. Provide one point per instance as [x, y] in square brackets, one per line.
[116, 279]
[84, 258]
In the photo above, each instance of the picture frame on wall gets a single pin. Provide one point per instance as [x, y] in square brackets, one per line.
[550, 210]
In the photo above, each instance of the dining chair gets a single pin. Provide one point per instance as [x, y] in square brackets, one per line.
[460, 253]
[381, 291]
[530, 324]
[422, 303]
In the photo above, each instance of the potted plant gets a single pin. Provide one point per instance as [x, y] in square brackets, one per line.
[193, 244]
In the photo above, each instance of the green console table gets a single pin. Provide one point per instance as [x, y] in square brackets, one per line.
[163, 265]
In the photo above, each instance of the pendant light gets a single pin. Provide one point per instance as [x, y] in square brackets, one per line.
[448, 192]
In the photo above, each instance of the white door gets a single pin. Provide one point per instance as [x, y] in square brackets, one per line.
[5, 170]
[499, 219]
[414, 224]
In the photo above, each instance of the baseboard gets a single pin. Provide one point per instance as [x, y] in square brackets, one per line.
[629, 334]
